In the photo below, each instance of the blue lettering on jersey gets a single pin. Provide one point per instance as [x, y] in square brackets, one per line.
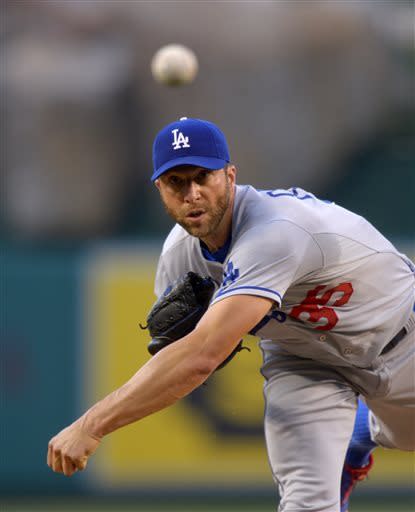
[294, 192]
[279, 316]
[167, 290]
[230, 275]
[410, 265]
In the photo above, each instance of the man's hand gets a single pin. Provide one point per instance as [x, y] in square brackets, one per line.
[70, 450]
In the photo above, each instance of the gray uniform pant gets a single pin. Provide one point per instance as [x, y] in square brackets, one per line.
[309, 417]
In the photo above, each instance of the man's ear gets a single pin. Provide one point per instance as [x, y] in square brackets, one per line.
[232, 172]
[157, 183]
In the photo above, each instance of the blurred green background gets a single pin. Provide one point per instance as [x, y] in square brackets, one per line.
[311, 94]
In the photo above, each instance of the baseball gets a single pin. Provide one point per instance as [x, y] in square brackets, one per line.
[174, 65]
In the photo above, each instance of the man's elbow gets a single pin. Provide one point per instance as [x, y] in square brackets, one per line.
[193, 374]
[204, 366]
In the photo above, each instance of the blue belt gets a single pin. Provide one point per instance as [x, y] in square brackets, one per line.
[394, 341]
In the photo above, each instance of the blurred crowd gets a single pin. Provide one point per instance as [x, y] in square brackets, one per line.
[296, 86]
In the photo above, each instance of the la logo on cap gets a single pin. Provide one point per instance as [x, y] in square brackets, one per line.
[179, 140]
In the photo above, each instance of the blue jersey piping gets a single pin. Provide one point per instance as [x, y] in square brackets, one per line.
[223, 292]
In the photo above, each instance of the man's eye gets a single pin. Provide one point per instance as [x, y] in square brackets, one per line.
[175, 181]
[201, 177]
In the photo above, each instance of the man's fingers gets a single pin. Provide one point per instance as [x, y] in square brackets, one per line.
[50, 454]
[64, 464]
[81, 463]
[57, 462]
[68, 467]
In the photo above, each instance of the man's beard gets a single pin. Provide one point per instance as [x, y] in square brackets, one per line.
[215, 215]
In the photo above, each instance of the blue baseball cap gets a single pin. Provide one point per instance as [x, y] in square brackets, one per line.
[192, 142]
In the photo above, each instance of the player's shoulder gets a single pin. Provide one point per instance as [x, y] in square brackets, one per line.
[275, 203]
[298, 213]
[256, 208]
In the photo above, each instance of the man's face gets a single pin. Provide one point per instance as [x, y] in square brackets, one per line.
[197, 198]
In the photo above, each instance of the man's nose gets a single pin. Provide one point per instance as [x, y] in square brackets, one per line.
[192, 191]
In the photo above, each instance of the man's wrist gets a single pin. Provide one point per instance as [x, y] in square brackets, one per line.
[90, 427]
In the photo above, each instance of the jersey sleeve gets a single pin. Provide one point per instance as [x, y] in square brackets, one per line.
[267, 260]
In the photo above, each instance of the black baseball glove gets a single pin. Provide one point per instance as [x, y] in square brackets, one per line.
[177, 313]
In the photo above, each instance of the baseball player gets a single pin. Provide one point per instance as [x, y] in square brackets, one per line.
[330, 298]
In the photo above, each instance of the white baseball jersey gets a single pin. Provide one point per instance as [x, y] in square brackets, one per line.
[341, 290]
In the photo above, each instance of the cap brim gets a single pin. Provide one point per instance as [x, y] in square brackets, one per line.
[212, 164]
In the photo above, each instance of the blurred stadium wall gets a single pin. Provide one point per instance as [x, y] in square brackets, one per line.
[313, 94]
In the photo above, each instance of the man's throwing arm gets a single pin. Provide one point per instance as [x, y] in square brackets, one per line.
[170, 375]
